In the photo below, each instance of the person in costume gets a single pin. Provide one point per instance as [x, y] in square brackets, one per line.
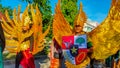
[2, 45]
[24, 35]
[25, 57]
[77, 30]
[56, 56]
[105, 38]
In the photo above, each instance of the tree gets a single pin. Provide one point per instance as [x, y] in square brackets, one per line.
[3, 9]
[69, 9]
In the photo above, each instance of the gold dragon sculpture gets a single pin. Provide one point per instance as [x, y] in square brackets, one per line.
[18, 30]
[105, 38]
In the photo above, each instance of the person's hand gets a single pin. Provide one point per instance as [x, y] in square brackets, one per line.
[90, 50]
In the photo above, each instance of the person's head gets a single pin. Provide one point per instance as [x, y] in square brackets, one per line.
[78, 28]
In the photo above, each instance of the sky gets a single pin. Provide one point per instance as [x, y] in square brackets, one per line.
[96, 10]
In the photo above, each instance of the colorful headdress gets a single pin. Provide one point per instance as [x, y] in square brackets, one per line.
[81, 17]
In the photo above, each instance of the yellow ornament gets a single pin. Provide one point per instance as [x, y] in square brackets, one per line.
[18, 32]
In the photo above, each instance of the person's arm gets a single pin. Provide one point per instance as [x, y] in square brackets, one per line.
[2, 38]
[2, 45]
[89, 45]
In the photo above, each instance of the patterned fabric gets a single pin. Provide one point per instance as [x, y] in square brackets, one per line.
[74, 48]
[27, 59]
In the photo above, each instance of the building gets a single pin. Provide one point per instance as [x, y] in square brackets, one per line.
[90, 25]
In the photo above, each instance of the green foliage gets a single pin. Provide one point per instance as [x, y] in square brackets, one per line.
[2, 9]
[89, 44]
[45, 51]
[5, 56]
[69, 9]
[47, 43]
